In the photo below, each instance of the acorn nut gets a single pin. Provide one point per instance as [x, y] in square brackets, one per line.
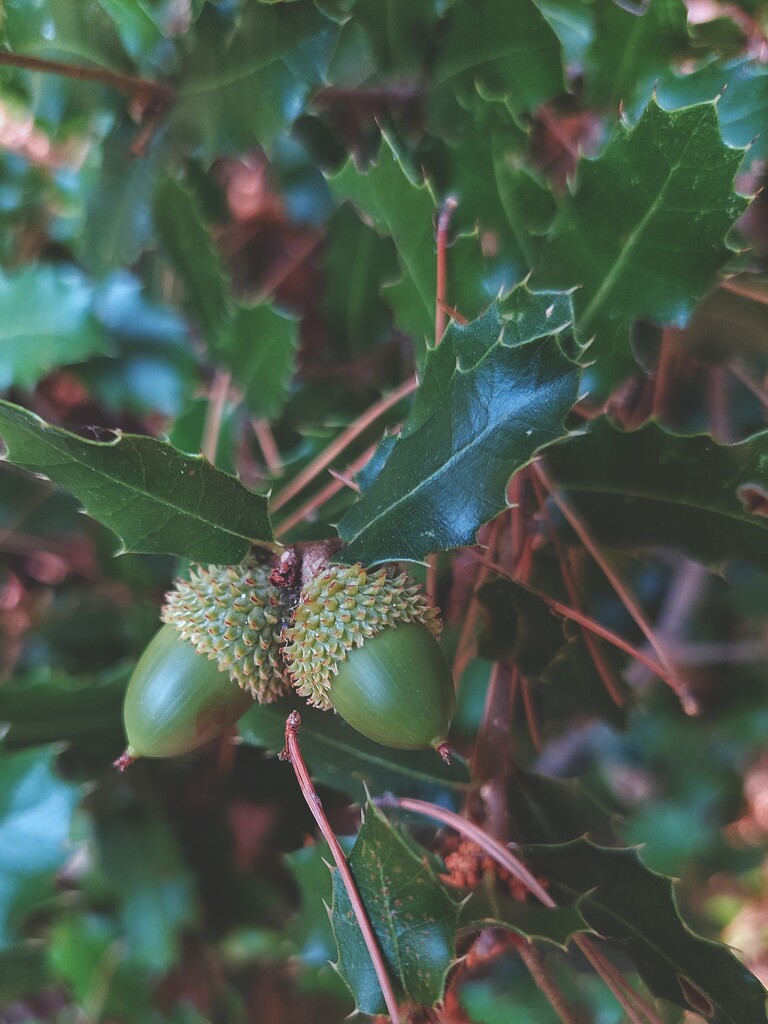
[364, 642]
[222, 626]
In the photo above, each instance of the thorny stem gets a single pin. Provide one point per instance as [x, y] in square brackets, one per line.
[507, 860]
[669, 675]
[344, 439]
[292, 753]
[584, 620]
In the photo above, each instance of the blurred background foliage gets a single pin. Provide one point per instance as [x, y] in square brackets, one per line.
[147, 237]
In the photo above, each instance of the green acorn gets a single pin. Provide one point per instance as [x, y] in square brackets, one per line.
[222, 626]
[234, 614]
[364, 642]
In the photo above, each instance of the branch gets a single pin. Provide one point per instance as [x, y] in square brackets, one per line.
[292, 753]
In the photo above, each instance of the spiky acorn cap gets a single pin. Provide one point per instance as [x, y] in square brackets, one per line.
[339, 609]
[233, 614]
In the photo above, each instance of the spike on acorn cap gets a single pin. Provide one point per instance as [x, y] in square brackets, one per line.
[232, 614]
[398, 690]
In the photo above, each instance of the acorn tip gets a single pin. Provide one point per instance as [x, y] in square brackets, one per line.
[444, 750]
[125, 760]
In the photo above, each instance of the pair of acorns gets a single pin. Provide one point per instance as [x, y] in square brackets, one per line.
[361, 641]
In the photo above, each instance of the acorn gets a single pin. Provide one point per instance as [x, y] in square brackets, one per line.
[222, 627]
[365, 643]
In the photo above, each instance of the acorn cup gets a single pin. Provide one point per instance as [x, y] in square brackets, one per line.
[218, 651]
[364, 642]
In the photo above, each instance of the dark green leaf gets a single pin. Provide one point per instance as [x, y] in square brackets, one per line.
[544, 810]
[489, 907]
[505, 53]
[23, 971]
[630, 50]
[187, 240]
[118, 217]
[411, 913]
[357, 263]
[154, 887]
[36, 809]
[652, 487]
[54, 707]
[643, 234]
[151, 495]
[399, 207]
[78, 31]
[741, 91]
[493, 393]
[521, 630]
[623, 900]
[343, 759]
[259, 347]
[47, 322]
[244, 88]
[136, 22]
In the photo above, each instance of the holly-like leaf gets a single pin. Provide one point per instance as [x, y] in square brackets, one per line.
[411, 913]
[650, 487]
[506, 53]
[187, 240]
[245, 87]
[740, 88]
[494, 393]
[399, 207]
[630, 49]
[36, 809]
[488, 907]
[622, 900]
[47, 321]
[155, 498]
[118, 217]
[259, 347]
[643, 233]
[340, 757]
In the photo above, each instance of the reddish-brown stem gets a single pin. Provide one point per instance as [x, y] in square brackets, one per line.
[531, 718]
[669, 675]
[443, 223]
[534, 961]
[130, 84]
[741, 374]
[464, 647]
[292, 753]
[584, 620]
[603, 669]
[661, 382]
[323, 495]
[124, 761]
[266, 440]
[217, 401]
[345, 438]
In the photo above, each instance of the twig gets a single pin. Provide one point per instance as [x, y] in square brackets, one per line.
[142, 88]
[345, 438]
[443, 223]
[215, 413]
[269, 449]
[292, 753]
[670, 676]
[603, 668]
[584, 620]
[323, 495]
[534, 961]
[464, 646]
